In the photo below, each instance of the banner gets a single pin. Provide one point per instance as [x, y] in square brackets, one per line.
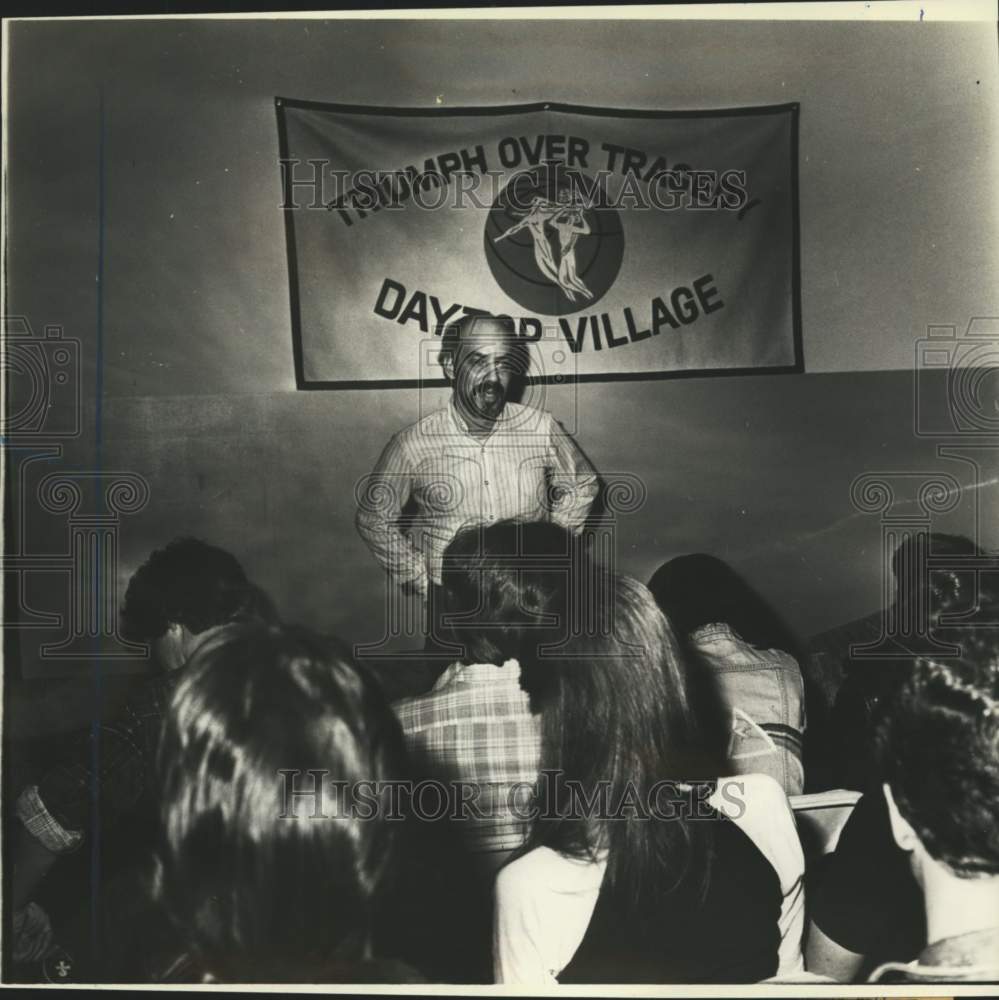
[625, 244]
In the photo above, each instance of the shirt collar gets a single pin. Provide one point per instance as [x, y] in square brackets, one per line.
[507, 675]
[715, 630]
[516, 420]
[962, 949]
[462, 426]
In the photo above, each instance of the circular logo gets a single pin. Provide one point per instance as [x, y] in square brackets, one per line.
[552, 244]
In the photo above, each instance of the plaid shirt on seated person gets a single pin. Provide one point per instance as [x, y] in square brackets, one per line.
[474, 732]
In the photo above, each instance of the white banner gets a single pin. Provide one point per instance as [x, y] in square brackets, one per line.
[626, 244]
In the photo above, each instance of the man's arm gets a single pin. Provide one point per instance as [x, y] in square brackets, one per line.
[380, 499]
[574, 480]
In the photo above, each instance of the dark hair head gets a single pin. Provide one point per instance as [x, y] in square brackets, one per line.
[505, 589]
[937, 746]
[191, 583]
[949, 585]
[699, 589]
[616, 711]
[936, 543]
[262, 889]
[452, 334]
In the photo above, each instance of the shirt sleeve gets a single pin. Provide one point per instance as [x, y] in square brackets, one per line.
[544, 903]
[379, 506]
[43, 826]
[757, 804]
[519, 932]
[574, 482]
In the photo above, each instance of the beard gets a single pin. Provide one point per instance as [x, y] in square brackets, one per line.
[488, 398]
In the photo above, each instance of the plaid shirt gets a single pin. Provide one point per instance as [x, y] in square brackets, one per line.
[528, 468]
[476, 727]
[57, 811]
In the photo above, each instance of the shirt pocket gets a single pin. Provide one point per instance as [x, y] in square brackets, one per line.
[447, 487]
[766, 692]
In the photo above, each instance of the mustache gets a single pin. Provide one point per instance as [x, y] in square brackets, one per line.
[496, 387]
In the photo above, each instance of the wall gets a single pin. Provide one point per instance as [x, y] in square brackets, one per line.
[190, 382]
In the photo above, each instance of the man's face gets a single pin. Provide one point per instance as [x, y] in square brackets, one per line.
[484, 368]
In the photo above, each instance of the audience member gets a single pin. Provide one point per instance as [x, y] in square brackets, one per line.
[736, 643]
[181, 596]
[938, 751]
[875, 653]
[632, 874]
[865, 902]
[620, 756]
[474, 731]
[276, 845]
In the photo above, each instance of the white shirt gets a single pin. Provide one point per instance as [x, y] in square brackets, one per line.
[544, 900]
[528, 468]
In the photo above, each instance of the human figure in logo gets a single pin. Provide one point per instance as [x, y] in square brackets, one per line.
[570, 223]
[535, 221]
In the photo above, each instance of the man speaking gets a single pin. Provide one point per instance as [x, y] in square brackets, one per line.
[478, 460]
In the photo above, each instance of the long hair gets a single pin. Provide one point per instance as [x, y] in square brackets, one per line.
[697, 590]
[700, 589]
[616, 717]
[266, 885]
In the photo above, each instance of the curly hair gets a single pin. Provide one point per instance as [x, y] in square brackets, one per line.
[937, 747]
[193, 584]
[943, 588]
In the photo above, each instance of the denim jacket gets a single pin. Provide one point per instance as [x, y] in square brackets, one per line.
[764, 692]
